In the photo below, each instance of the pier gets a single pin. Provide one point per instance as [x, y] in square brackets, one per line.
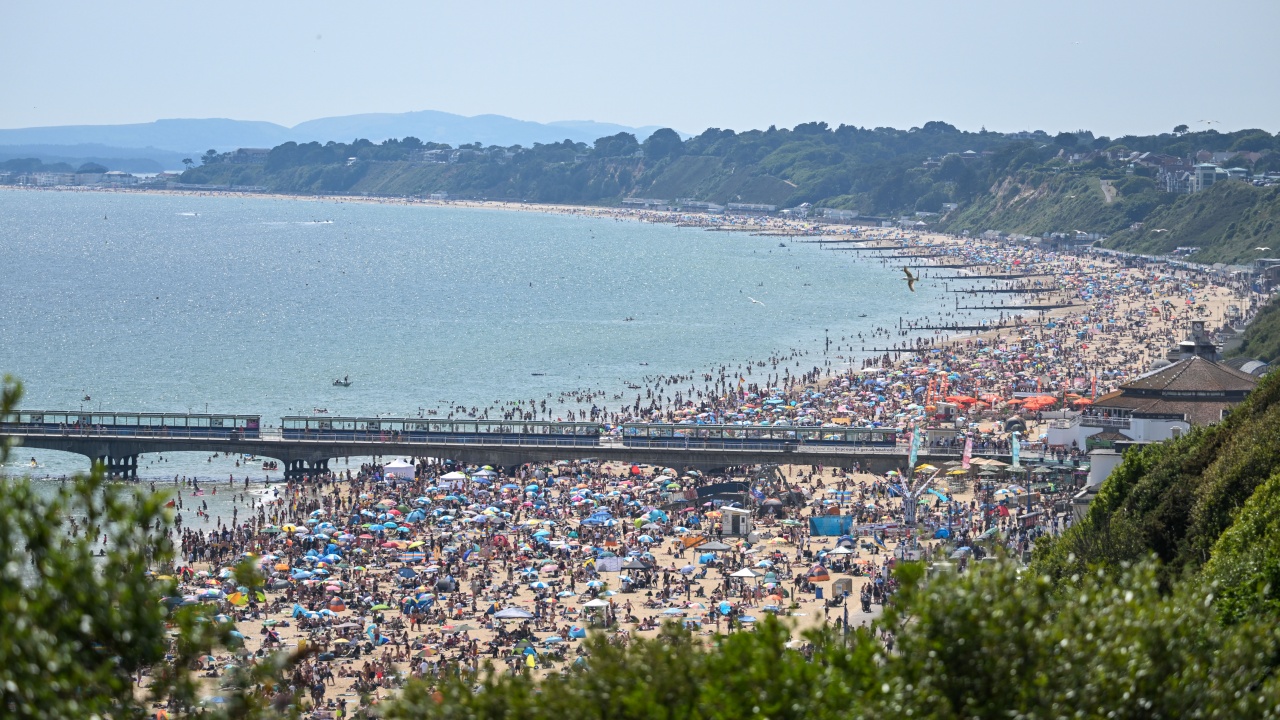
[118, 451]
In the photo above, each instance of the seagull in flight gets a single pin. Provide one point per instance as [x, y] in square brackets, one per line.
[911, 279]
[1262, 249]
[755, 301]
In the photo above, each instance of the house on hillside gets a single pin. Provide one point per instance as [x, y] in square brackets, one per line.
[751, 208]
[250, 156]
[1204, 175]
[118, 178]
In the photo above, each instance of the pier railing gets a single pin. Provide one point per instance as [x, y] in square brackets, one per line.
[494, 440]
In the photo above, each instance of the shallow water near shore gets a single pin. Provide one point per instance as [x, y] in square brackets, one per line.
[254, 305]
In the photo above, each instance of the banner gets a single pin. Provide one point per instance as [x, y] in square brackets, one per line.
[1017, 449]
[830, 525]
[967, 457]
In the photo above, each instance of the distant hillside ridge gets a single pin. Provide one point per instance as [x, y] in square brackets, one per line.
[1228, 222]
[195, 136]
[1026, 182]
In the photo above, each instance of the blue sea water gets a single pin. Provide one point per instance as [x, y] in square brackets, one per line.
[231, 304]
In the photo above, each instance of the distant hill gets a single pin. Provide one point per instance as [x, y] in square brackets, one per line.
[1026, 182]
[190, 137]
[133, 160]
[1035, 203]
[1227, 221]
[181, 136]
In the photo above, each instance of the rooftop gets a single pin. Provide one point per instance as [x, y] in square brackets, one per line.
[1194, 374]
[1197, 389]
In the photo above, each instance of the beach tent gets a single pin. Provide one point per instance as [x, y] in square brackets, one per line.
[513, 613]
[399, 468]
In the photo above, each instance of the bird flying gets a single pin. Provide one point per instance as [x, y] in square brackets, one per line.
[1262, 249]
[754, 300]
[911, 279]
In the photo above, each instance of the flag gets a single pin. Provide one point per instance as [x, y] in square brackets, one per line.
[875, 538]
[967, 457]
[1017, 449]
[915, 450]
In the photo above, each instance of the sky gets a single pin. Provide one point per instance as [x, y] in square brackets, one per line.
[1111, 66]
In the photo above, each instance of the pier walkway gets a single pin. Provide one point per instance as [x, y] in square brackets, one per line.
[119, 452]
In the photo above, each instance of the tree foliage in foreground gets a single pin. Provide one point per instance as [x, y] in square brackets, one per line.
[1177, 498]
[985, 644]
[77, 626]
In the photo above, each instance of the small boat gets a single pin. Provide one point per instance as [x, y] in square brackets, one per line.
[782, 244]
[344, 382]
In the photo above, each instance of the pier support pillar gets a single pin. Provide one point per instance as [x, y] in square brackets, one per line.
[296, 469]
[124, 467]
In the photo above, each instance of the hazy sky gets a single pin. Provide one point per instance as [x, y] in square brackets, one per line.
[1112, 66]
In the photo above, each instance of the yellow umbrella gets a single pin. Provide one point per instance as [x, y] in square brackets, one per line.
[416, 543]
[926, 467]
[238, 598]
[958, 471]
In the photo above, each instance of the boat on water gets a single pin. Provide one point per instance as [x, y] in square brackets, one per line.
[344, 382]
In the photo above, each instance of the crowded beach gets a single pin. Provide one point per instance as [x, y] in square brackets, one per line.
[400, 567]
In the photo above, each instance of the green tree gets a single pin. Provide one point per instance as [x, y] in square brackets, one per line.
[620, 145]
[985, 644]
[1066, 139]
[78, 621]
[187, 162]
[91, 167]
[663, 143]
[1180, 130]
[1255, 141]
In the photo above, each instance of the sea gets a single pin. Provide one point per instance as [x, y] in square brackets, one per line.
[206, 303]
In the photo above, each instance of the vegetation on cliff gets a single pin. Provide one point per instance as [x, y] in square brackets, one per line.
[1261, 338]
[1201, 504]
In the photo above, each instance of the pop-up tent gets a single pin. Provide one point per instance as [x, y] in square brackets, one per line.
[399, 468]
